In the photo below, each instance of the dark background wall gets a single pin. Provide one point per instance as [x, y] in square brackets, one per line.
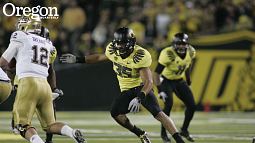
[86, 87]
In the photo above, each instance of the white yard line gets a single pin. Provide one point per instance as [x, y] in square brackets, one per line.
[153, 135]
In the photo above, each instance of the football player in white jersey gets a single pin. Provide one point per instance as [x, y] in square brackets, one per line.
[31, 52]
[56, 93]
[5, 86]
[131, 65]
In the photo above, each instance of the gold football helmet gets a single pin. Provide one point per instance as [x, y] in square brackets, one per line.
[30, 23]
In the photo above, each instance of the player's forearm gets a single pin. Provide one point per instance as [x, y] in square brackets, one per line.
[157, 73]
[3, 62]
[96, 59]
[188, 75]
[52, 79]
[148, 85]
[156, 79]
[10, 73]
[147, 80]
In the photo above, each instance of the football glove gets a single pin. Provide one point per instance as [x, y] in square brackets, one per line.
[162, 95]
[14, 88]
[54, 95]
[134, 105]
[59, 92]
[68, 58]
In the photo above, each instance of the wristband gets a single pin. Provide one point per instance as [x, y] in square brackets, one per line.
[159, 88]
[10, 71]
[141, 94]
[54, 89]
[188, 82]
[80, 59]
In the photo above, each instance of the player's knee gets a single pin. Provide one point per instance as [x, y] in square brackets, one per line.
[168, 106]
[46, 129]
[113, 113]
[122, 120]
[160, 115]
[23, 129]
[192, 107]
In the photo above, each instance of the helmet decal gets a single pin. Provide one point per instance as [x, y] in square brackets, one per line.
[132, 35]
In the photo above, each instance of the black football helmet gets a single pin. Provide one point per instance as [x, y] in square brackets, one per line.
[45, 33]
[180, 39]
[127, 37]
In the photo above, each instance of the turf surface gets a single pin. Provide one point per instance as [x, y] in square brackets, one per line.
[99, 127]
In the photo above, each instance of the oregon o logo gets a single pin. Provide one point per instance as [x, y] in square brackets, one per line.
[132, 35]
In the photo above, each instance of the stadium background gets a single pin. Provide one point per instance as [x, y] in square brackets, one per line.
[221, 31]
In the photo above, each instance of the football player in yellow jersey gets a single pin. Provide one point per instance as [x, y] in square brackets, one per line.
[174, 62]
[131, 65]
[51, 80]
[31, 52]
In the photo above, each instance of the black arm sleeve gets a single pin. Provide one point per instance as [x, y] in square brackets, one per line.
[80, 59]
[159, 68]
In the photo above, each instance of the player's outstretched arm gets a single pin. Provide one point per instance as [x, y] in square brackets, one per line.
[91, 59]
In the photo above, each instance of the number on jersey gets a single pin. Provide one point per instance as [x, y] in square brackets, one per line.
[43, 55]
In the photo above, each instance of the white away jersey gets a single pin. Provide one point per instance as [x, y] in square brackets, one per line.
[31, 52]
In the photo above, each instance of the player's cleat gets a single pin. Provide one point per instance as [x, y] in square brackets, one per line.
[165, 138]
[253, 141]
[186, 135]
[15, 131]
[48, 142]
[144, 138]
[77, 135]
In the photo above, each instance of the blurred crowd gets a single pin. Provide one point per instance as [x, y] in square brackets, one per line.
[86, 26]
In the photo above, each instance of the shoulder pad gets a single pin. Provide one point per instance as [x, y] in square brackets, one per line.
[18, 36]
[53, 53]
[191, 51]
[171, 55]
[138, 55]
[112, 49]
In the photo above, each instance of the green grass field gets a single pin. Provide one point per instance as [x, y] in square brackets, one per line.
[99, 127]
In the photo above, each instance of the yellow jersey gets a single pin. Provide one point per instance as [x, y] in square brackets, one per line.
[175, 66]
[127, 69]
